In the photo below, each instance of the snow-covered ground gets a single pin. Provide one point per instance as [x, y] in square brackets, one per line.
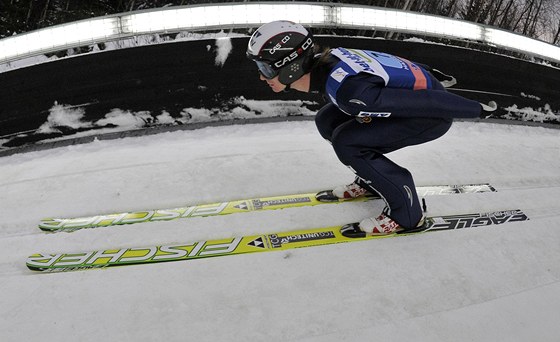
[499, 283]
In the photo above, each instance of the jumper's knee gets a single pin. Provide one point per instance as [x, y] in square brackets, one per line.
[344, 146]
[328, 119]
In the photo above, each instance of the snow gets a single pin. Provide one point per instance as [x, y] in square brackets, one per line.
[541, 114]
[223, 50]
[125, 119]
[481, 284]
[63, 116]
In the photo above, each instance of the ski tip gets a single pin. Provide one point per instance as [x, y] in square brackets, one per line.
[446, 80]
[490, 107]
[449, 83]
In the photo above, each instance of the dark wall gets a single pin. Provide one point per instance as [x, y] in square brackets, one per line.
[177, 75]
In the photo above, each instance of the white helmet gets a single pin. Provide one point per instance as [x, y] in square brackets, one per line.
[282, 48]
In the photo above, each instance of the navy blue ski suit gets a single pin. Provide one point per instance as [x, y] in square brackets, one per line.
[380, 103]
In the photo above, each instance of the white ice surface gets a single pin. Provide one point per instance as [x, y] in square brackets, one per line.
[482, 284]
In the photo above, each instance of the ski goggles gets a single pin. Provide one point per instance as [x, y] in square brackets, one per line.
[266, 70]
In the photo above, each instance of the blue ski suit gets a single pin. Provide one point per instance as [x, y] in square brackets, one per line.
[380, 103]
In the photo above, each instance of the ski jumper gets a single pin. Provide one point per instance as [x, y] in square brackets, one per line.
[380, 103]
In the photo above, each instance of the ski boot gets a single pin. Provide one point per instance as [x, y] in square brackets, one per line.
[341, 193]
[381, 225]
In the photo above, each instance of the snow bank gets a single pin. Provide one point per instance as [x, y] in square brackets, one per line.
[70, 121]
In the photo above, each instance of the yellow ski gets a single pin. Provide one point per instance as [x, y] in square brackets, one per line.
[226, 208]
[247, 244]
